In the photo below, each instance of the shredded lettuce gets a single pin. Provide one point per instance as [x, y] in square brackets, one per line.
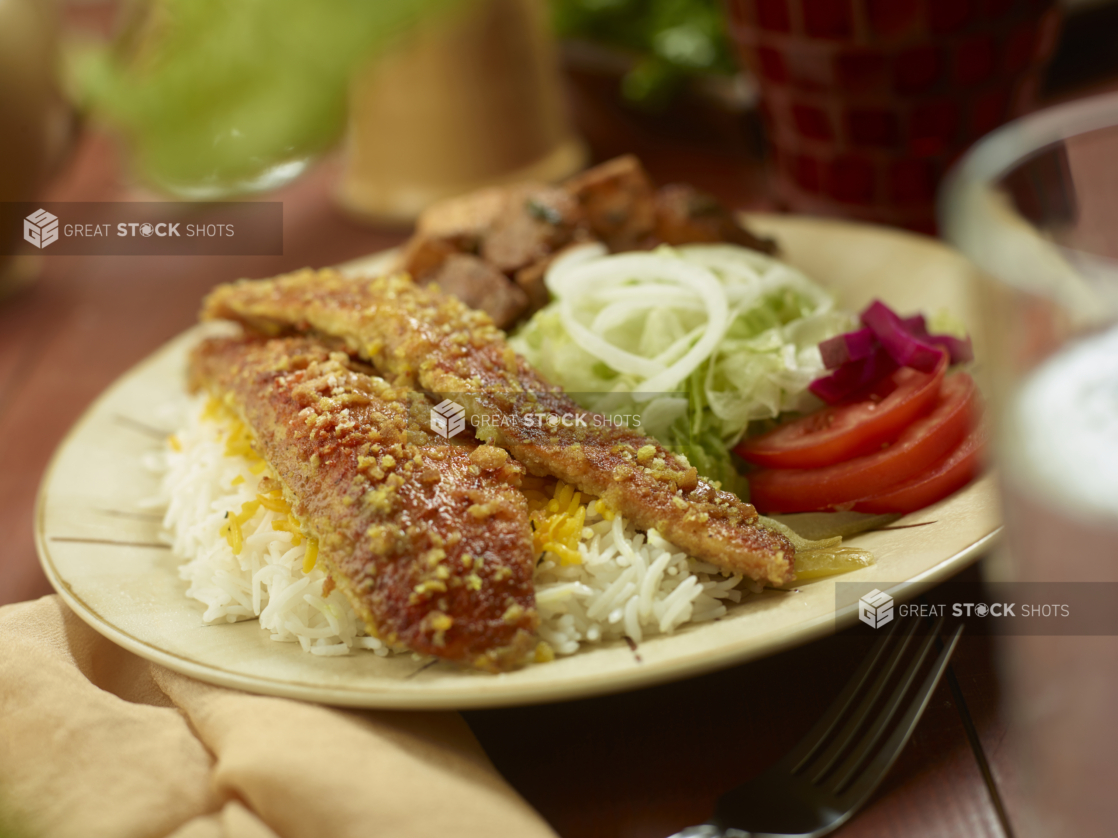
[944, 322]
[700, 341]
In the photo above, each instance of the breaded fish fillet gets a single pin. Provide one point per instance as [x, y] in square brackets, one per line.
[425, 339]
[430, 542]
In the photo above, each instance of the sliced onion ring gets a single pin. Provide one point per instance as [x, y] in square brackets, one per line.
[581, 282]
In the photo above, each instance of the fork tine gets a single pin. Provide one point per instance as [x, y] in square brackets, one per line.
[869, 739]
[887, 754]
[854, 721]
[817, 737]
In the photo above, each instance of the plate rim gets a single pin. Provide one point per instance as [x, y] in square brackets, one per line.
[525, 694]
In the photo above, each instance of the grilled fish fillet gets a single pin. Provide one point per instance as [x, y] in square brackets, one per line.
[431, 543]
[427, 340]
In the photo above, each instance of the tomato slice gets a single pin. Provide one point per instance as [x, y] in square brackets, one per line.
[953, 473]
[922, 444]
[843, 431]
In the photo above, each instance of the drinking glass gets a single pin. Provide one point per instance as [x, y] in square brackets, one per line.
[1035, 206]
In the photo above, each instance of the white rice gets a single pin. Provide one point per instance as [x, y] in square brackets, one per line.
[629, 584]
[266, 581]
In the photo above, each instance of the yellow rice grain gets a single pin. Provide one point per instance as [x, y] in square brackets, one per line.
[557, 528]
[311, 556]
[232, 532]
[274, 504]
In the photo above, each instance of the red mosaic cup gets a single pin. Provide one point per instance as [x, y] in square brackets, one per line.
[868, 102]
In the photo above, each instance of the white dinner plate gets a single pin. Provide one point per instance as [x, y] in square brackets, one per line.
[103, 555]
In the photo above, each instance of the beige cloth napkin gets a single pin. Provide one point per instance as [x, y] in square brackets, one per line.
[95, 741]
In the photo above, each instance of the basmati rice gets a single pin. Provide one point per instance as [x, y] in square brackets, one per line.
[624, 583]
[205, 487]
[244, 557]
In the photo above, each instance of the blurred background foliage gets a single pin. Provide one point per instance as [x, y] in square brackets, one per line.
[220, 97]
[669, 40]
[214, 94]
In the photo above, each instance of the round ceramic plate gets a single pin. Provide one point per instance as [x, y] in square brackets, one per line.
[103, 556]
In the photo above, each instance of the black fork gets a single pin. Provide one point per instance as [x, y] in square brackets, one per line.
[832, 771]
